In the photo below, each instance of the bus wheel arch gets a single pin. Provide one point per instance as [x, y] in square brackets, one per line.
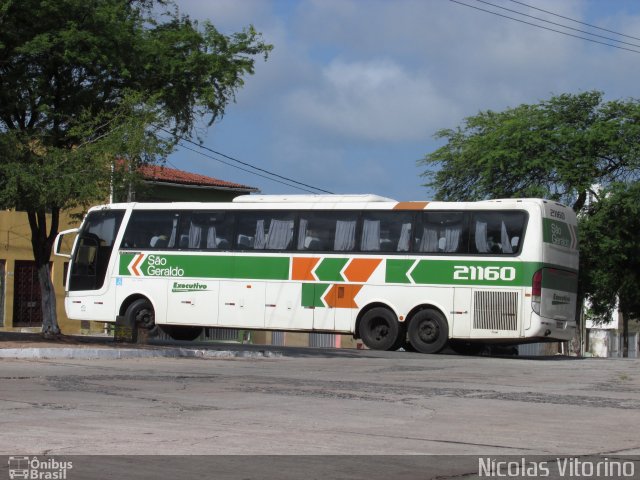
[427, 329]
[379, 328]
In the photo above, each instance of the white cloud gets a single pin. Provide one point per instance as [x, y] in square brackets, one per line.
[371, 100]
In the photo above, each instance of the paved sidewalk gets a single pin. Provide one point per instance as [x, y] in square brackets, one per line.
[33, 345]
[10, 339]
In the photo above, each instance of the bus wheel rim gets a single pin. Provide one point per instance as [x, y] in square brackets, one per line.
[428, 331]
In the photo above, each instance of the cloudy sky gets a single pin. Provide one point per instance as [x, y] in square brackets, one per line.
[354, 90]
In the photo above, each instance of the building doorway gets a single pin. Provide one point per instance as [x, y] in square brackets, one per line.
[27, 298]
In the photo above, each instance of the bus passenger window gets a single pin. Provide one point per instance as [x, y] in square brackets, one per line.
[151, 229]
[327, 231]
[265, 231]
[386, 232]
[441, 232]
[206, 231]
[497, 233]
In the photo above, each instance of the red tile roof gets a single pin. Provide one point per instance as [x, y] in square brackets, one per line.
[157, 173]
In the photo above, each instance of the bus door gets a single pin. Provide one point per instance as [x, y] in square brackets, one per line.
[90, 260]
[92, 251]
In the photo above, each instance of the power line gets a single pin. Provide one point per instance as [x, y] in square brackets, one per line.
[545, 28]
[557, 24]
[573, 20]
[246, 164]
[244, 169]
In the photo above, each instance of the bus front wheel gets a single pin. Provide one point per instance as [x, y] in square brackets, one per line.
[140, 314]
[380, 330]
[428, 331]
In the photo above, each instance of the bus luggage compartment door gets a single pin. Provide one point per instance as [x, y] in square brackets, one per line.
[192, 302]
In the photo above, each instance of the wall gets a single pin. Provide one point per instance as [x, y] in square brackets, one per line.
[168, 193]
[15, 244]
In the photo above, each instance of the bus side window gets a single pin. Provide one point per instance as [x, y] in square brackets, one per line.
[386, 231]
[265, 230]
[151, 229]
[327, 231]
[206, 230]
[441, 232]
[497, 233]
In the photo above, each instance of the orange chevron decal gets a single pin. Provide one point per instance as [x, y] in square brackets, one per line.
[360, 269]
[342, 296]
[302, 268]
[410, 205]
[135, 264]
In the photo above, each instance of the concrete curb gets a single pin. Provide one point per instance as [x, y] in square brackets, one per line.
[117, 353]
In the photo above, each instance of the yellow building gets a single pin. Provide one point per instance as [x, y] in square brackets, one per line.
[20, 307]
[20, 299]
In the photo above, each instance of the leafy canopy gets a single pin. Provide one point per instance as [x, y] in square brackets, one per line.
[557, 149]
[610, 251]
[84, 80]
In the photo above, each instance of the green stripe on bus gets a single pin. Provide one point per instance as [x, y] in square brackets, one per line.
[398, 271]
[256, 267]
[461, 272]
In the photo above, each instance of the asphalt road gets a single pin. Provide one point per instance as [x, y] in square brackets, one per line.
[321, 402]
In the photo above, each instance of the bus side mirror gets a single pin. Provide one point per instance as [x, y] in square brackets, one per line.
[58, 243]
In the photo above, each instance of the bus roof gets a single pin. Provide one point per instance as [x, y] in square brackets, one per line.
[356, 198]
[357, 201]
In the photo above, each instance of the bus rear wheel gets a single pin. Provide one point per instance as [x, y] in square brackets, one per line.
[380, 330]
[428, 331]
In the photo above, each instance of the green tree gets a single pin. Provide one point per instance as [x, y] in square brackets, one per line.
[610, 254]
[557, 149]
[82, 81]
[569, 148]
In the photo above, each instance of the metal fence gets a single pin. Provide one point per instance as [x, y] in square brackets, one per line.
[322, 340]
[278, 338]
[616, 344]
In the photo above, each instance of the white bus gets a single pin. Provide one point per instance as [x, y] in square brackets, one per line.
[416, 275]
